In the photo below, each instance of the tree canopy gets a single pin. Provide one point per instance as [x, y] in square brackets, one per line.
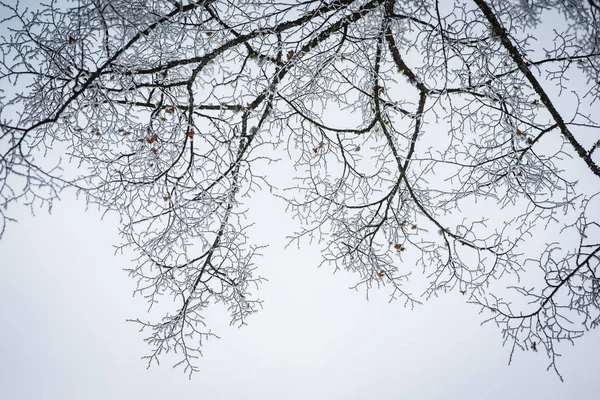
[432, 142]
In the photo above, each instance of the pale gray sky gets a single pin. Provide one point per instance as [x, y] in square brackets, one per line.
[64, 300]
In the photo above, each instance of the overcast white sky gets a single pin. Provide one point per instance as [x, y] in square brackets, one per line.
[64, 300]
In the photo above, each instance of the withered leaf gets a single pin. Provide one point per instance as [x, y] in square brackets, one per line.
[152, 138]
